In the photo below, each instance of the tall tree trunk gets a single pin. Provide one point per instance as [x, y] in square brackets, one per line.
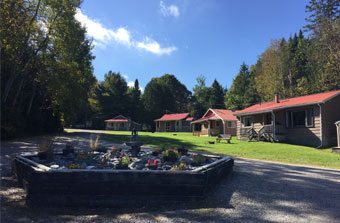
[18, 92]
[32, 98]
[22, 50]
[8, 87]
[290, 83]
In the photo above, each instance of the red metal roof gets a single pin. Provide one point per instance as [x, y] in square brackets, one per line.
[119, 118]
[217, 114]
[225, 114]
[116, 120]
[211, 116]
[173, 117]
[189, 119]
[289, 102]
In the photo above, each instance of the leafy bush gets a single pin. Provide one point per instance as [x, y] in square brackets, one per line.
[181, 166]
[124, 162]
[170, 155]
[198, 159]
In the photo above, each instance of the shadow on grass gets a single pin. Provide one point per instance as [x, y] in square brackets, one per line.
[157, 141]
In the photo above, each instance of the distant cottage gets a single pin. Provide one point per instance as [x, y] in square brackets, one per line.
[179, 122]
[306, 120]
[121, 123]
[215, 122]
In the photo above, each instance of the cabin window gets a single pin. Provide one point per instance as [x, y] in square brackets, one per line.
[309, 118]
[267, 119]
[247, 121]
[122, 124]
[167, 124]
[205, 125]
[157, 124]
[231, 124]
[300, 119]
[177, 123]
[217, 123]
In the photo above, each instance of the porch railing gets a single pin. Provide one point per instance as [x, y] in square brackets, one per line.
[265, 129]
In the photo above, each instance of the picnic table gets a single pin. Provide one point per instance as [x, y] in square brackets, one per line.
[226, 137]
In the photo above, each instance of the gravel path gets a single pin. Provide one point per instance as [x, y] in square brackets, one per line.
[257, 191]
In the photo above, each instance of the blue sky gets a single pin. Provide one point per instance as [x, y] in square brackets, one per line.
[187, 38]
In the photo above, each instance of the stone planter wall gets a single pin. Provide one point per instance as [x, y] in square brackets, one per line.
[45, 186]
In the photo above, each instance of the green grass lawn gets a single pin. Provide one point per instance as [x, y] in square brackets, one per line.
[281, 152]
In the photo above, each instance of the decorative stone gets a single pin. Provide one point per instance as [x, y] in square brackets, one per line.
[186, 159]
[55, 166]
[90, 167]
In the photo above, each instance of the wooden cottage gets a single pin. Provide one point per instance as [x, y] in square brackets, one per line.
[121, 123]
[179, 122]
[306, 120]
[216, 121]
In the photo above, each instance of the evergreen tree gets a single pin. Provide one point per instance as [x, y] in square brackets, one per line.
[324, 22]
[112, 95]
[216, 95]
[136, 107]
[242, 92]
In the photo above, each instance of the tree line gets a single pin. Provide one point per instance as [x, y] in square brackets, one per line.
[306, 63]
[47, 79]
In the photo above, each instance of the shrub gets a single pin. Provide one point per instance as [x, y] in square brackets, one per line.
[170, 155]
[124, 162]
[181, 166]
[198, 159]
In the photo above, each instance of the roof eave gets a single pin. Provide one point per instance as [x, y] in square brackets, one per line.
[285, 107]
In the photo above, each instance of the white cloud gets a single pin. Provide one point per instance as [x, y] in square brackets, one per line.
[154, 47]
[171, 10]
[132, 84]
[103, 36]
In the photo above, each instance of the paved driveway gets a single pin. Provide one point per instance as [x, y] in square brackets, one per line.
[257, 191]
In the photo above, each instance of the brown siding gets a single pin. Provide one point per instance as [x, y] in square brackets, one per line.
[309, 136]
[330, 114]
[231, 131]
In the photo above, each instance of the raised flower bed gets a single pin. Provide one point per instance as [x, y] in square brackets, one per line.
[113, 178]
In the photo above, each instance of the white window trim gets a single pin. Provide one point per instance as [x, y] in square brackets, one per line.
[306, 122]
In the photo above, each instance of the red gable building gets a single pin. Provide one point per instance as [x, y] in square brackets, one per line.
[121, 123]
[179, 122]
[217, 121]
[307, 120]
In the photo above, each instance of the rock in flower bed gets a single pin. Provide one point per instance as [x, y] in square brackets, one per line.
[118, 157]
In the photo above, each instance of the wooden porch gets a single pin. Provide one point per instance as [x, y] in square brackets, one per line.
[268, 133]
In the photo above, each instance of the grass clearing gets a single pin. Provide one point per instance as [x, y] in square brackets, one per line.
[280, 152]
